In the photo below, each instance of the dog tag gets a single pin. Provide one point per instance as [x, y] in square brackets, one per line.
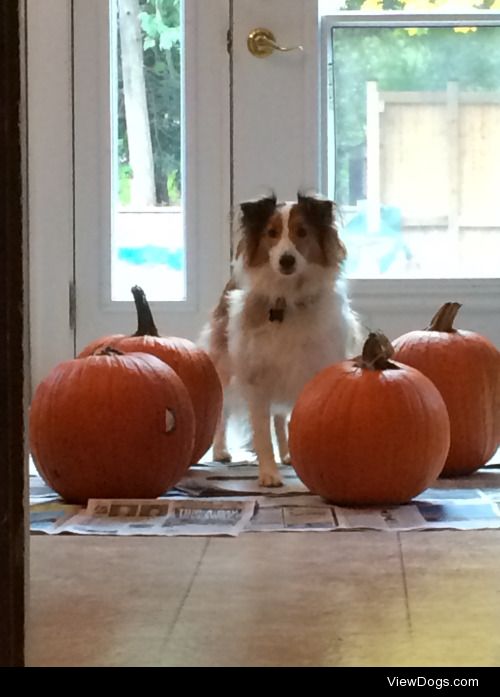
[277, 312]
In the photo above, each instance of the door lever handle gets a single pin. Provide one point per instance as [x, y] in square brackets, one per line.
[262, 42]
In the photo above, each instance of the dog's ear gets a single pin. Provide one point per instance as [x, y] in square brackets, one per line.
[255, 214]
[319, 212]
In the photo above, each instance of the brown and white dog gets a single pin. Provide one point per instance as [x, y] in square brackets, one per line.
[282, 317]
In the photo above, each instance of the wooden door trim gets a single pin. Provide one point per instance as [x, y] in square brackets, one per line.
[12, 342]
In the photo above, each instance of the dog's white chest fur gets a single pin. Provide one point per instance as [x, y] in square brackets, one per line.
[276, 358]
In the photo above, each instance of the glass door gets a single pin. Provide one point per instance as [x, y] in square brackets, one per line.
[148, 245]
[151, 83]
[157, 120]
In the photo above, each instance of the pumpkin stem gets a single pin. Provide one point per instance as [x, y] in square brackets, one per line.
[376, 353]
[145, 321]
[444, 318]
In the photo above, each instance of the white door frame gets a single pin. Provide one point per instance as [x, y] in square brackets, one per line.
[275, 100]
[50, 181]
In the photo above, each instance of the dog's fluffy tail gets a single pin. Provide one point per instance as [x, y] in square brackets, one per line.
[204, 338]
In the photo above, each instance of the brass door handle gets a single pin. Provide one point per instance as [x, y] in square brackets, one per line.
[262, 42]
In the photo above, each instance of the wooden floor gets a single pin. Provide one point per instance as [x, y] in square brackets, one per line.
[301, 599]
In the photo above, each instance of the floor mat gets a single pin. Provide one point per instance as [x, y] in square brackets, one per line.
[215, 499]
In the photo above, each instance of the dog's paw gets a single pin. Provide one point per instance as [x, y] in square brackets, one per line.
[270, 479]
[222, 456]
[286, 459]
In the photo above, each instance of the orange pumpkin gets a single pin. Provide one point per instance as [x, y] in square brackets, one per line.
[111, 426]
[369, 431]
[497, 411]
[191, 363]
[465, 367]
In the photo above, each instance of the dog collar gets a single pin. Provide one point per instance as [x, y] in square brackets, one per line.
[307, 301]
[277, 311]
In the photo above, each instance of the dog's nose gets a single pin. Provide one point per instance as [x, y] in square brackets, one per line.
[287, 262]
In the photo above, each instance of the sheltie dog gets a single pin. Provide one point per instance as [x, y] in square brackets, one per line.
[283, 316]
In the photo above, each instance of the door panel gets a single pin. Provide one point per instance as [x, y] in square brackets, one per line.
[276, 105]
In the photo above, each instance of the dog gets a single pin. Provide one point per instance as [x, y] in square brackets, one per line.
[283, 316]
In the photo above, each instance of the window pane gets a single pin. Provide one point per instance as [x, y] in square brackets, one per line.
[329, 7]
[416, 122]
[148, 246]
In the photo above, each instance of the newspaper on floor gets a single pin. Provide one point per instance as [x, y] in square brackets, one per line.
[45, 517]
[457, 509]
[39, 491]
[479, 514]
[163, 517]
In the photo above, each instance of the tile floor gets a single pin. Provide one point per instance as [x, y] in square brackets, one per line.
[293, 599]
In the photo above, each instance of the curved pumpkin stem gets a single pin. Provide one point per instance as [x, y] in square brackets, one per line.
[444, 318]
[376, 353]
[145, 322]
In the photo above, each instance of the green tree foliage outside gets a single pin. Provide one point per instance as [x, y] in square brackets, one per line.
[160, 27]
[399, 59]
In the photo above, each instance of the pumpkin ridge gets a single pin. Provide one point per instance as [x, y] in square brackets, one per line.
[341, 386]
[435, 408]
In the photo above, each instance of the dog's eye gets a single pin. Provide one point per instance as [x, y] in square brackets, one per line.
[301, 232]
[272, 232]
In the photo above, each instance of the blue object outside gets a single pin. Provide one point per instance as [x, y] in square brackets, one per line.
[151, 254]
[389, 237]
